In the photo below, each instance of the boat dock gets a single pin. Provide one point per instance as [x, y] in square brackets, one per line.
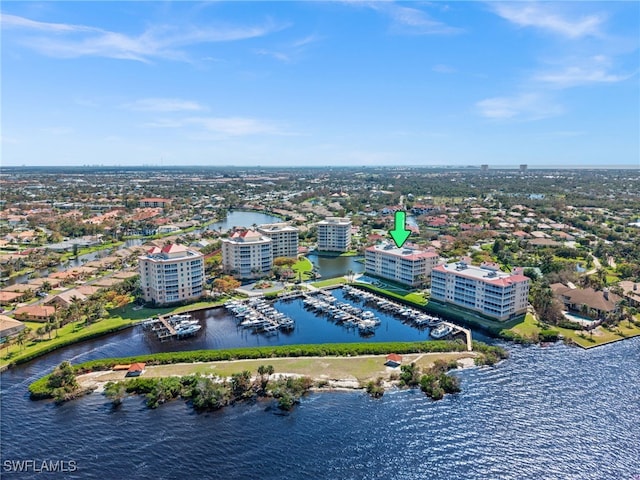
[174, 326]
[417, 317]
[259, 315]
[344, 313]
[466, 331]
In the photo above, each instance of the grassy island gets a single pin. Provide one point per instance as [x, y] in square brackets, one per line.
[349, 365]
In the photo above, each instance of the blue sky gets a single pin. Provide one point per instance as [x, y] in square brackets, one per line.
[321, 83]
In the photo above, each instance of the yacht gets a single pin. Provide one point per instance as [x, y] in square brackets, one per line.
[441, 331]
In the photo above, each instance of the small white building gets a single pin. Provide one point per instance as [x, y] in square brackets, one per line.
[247, 254]
[171, 274]
[409, 266]
[484, 289]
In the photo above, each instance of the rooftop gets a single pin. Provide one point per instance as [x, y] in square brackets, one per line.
[405, 252]
[494, 277]
[335, 221]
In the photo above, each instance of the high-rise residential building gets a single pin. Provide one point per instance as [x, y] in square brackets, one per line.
[334, 234]
[484, 289]
[409, 266]
[247, 254]
[171, 274]
[284, 238]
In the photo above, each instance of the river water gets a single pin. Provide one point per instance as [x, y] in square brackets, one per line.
[545, 413]
[241, 218]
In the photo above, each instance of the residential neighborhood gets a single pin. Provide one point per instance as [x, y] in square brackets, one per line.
[84, 237]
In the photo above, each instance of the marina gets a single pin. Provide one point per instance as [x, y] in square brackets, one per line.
[354, 310]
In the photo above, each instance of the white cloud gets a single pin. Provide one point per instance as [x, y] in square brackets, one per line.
[8, 21]
[595, 70]
[542, 16]
[526, 106]
[442, 68]
[163, 105]
[234, 126]
[226, 126]
[165, 41]
[408, 20]
[292, 51]
[283, 57]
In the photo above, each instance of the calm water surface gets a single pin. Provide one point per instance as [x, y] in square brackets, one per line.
[240, 218]
[546, 413]
[329, 267]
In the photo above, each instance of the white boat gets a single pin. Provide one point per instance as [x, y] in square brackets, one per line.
[441, 331]
[188, 330]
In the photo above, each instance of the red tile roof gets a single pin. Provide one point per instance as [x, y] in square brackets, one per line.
[394, 357]
[137, 367]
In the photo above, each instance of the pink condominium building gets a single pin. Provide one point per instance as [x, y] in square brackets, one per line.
[484, 289]
[170, 274]
[408, 266]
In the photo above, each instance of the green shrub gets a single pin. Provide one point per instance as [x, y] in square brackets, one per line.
[549, 335]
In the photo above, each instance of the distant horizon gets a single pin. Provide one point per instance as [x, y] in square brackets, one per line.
[317, 167]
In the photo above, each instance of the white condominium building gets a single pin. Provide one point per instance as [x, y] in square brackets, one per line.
[334, 234]
[284, 237]
[484, 289]
[171, 274]
[408, 266]
[247, 254]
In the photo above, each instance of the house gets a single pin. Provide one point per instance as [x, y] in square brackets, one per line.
[631, 292]
[577, 299]
[7, 298]
[393, 360]
[65, 299]
[35, 313]
[136, 369]
[9, 327]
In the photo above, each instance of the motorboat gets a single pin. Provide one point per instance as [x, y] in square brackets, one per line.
[441, 331]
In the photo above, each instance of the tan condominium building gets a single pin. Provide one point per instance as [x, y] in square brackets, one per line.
[334, 234]
[484, 289]
[409, 266]
[247, 254]
[171, 274]
[284, 238]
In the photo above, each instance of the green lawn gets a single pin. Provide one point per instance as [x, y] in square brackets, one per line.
[303, 266]
[329, 282]
[397, 292]
[359, 368]
[70, 333]
[528, 328]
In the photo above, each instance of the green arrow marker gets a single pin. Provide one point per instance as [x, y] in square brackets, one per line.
[399, 232]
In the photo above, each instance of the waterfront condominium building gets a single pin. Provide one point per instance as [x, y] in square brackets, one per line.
[284, 238]
[484, 289]
[334, 234]
[171, 274]
[408, 266]
[247, 254]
